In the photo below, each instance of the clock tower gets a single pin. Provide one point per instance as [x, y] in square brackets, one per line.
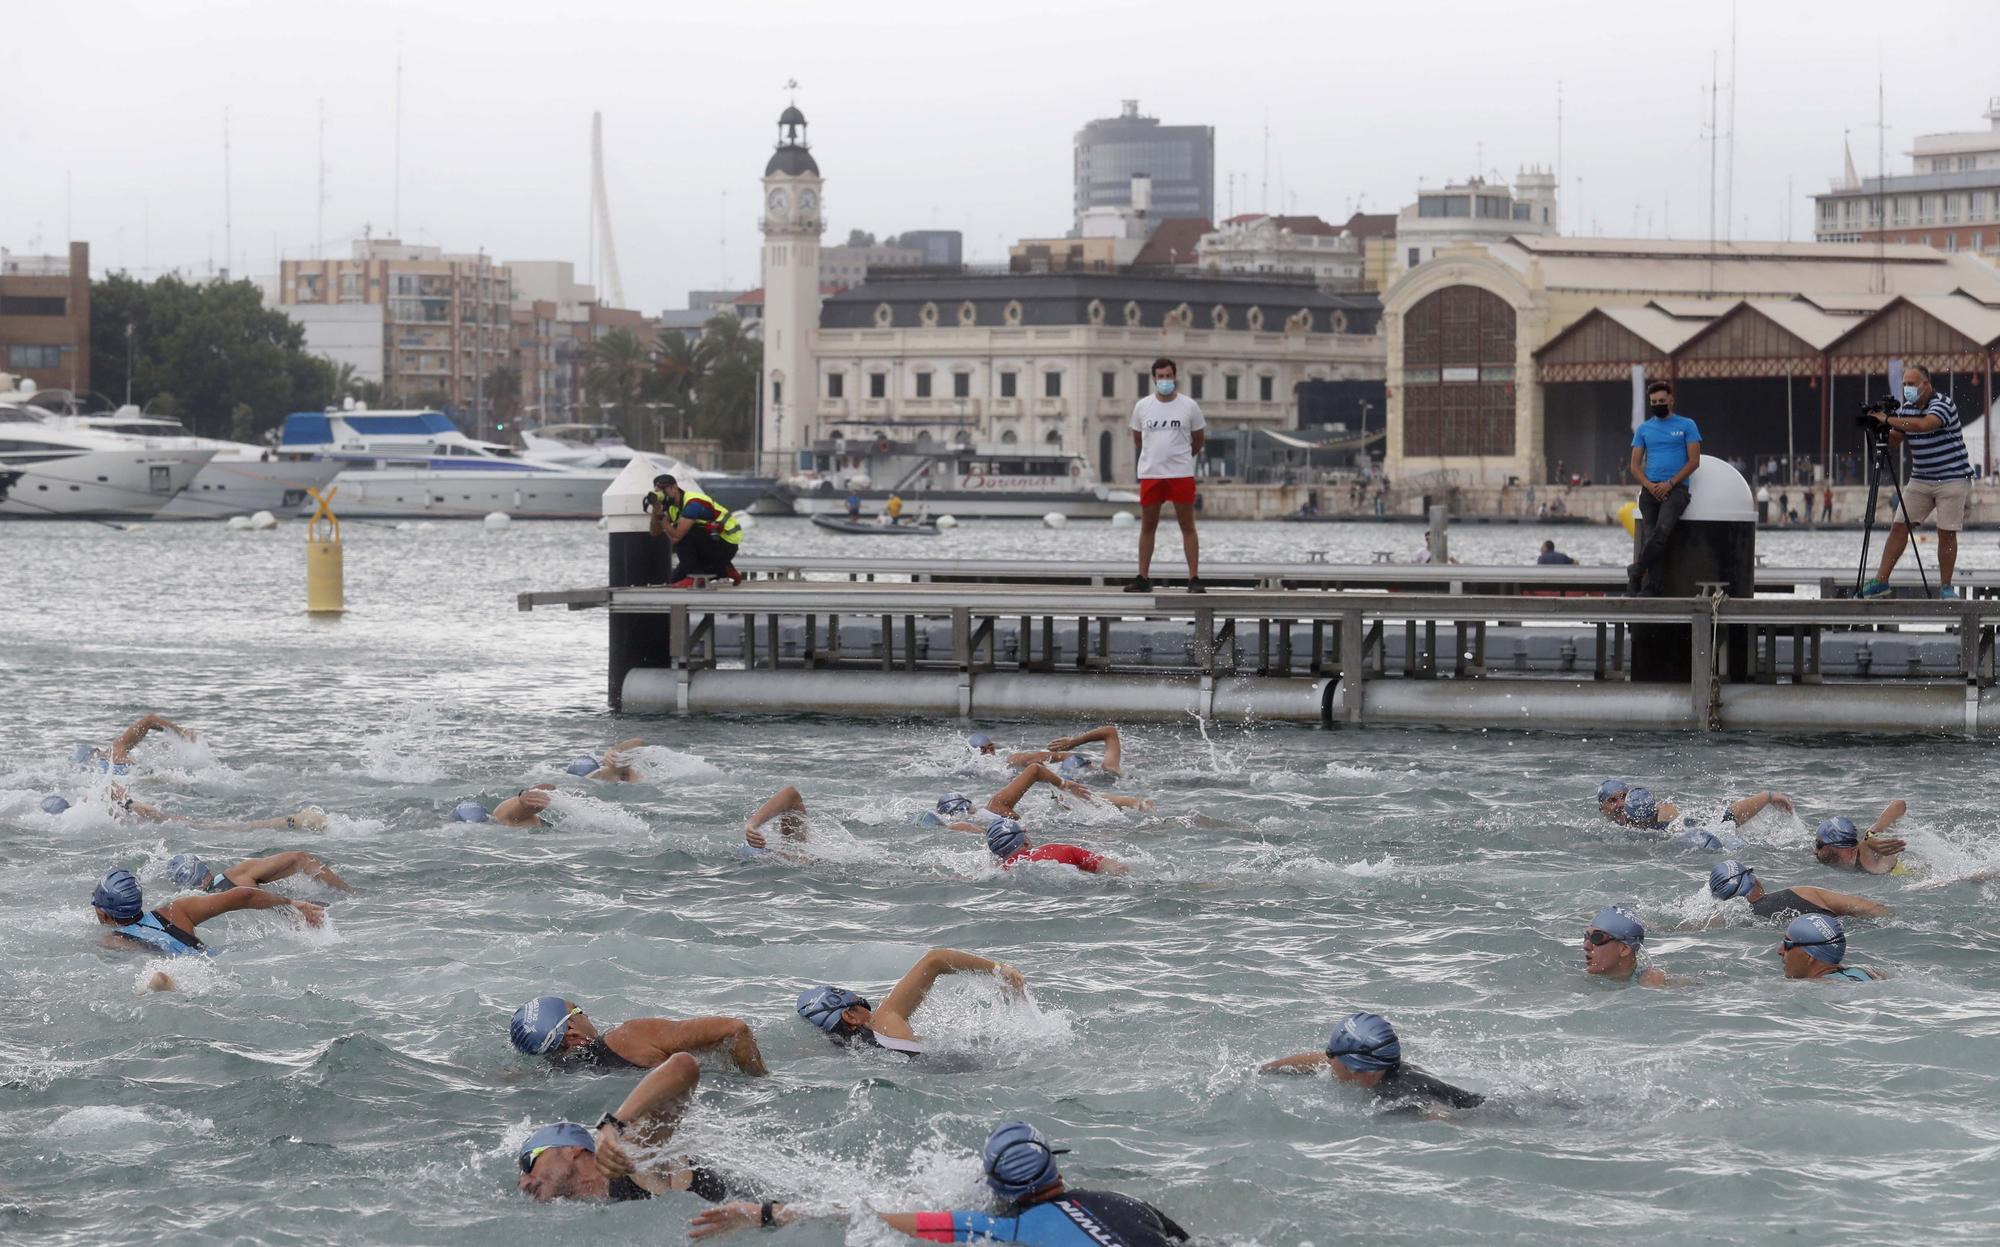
[791, 225]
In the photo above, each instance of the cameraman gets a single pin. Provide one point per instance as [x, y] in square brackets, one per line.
[1940, 477]
[1666, 449]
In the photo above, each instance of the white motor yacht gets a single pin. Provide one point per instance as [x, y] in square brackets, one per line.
[82, 474]
[241, 480]
[600, 448]
[418, 464]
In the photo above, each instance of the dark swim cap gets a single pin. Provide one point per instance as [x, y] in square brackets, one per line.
[1621, 924]
[189, 871]
[54, 803]
[581, 764]
[469, 812]
[1731, 879]
[1019, 1161]
[954, 804]
[555, 1134]
[1364, 1042]
[1006, 838]
[822, 1006]
[539, 1026]
[1839, 833]
[1609, 789]
[1641, 806]
[118, 894]
[1821, 935]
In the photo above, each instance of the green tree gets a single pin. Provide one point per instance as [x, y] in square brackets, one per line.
[615, 378]
[732, 370]
[677, 378]
[860, 238]
[212, 346]
[503, 396]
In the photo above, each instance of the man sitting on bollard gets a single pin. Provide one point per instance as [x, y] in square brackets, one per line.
[705, 533]
[1666, 450]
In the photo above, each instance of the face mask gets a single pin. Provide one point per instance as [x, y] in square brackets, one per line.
[1661, 409]
[1910, 393]
[1165, 385]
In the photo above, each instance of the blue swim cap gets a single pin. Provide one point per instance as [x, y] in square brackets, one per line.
[539, 1025]
[1641, 806]
[1620, 923]
[189, 871]
[1006, 838]
[1075, 764]
[978, 740]
[1364, 1042]
[822, 1006]
[954, 804]
[1609, 789]
[927, 818]
[1709, 838]
[1838, 832]
[54, 803]
[1731, 879]
[81, 755]
[555, 1134]
[1821, 935]
[118, 894]
[468, 812]
[581, 764]
[1019, 1161]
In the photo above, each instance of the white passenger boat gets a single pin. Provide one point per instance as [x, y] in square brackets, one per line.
[81, 474]
[991, 482]
[418, 464]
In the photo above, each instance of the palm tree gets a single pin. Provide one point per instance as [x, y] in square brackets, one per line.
[614, 378]
[732, 373]
[677, 375]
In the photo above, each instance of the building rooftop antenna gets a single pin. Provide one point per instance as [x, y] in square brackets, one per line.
[228, 226]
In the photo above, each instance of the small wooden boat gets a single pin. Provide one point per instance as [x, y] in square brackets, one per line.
[841, 524]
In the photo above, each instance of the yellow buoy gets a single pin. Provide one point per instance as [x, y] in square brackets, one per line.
[1628, 515]
[326, 592]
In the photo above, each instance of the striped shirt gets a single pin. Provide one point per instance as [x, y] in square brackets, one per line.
[1938, 455]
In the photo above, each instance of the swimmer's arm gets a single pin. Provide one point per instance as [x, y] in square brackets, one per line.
[1031, 758]
[893, 1018]
[1845, 905]
[1751, 806]
[524, 809]
[659, 1038]
[1888, 818]
[129, 739]
[935, 1227]
[1878, 856]
[262, 870]
[787, 802]
[1669, 811]
[1302, 1063]
[191, 911]
[1653, 977]
[1108, 734]
[304, 820]
[649, 1113]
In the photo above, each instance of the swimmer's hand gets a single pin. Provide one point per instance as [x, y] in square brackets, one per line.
[1884, 846]
[308, 819]
[754, 837]
[1781, 801]
[726, 1217]
[612, 1159]
[1016, 981]
[313, 913]
[536, 799]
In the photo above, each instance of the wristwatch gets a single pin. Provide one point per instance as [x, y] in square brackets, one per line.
[764, 1217]
[610, 1119]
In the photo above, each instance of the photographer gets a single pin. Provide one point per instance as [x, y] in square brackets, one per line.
[1666, 449]
[1940, 476]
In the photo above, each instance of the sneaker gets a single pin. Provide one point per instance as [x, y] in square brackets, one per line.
[1634, 576]
[1195, 586]
[1948, 594]
[1139, 584]
[735, 577]
[685, 582]
[1874, 589]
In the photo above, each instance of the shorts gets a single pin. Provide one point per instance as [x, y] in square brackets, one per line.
[1945, 498]
[1160, 490]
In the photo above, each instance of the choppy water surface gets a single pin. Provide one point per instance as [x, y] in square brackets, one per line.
[356, 1085]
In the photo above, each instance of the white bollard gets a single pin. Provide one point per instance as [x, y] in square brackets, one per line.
[238, 523]
[1123, 519]
[497, 521]
[1054, 519]
[947, 521]
[263, 521]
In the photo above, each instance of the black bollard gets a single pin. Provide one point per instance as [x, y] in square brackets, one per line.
[637, 558]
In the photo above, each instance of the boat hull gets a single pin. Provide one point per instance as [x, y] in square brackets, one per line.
[967, 504]
[460, 494]
[866, 528]
[229, 487]
[109, 484]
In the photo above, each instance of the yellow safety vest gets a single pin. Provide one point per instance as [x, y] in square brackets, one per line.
[725, 524]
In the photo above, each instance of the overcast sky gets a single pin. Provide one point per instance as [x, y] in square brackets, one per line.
[943, 114]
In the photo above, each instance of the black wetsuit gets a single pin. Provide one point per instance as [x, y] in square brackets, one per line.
[598, 1055]
[1771, 904]
[705, 1183]
[1407, 1082]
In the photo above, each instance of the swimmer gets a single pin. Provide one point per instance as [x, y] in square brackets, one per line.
[956, 811]
[124, 806]
[523, 809]
[1836, 843]
[1644, 817]
[1611, 948]
[188, 871]
[616, 767]
[1732, 879]
[1035, 1206]
[846, 1016]
[1364, 1050]
[1613, 794]
[1063, 749]
[120, 754]
[565, 1160]
[1813, 948]
[552, 1027]
[789, 808]
[169, 930]
[1010, 844]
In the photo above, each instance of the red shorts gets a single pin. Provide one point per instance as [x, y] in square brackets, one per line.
[1158, 491]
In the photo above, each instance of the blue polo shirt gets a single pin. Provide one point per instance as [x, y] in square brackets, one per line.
[1666, 441]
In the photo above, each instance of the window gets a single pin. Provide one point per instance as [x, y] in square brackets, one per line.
[1414, 261]
[1007, 385]
[1052, 385]
[1145, 385]
[878, 385]
[961, 385]
[350, 287]
[777, 393]
[1108, 385]
[1524, 212]
[33, 305]
[1264, 388]
[923, 385]
[1229, 388]
[1194, 387]
[34, 356]
[836, 383]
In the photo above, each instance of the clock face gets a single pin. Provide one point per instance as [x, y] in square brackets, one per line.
[808, 201]
[779, 201]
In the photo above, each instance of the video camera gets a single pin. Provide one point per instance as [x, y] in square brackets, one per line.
[1872, 411]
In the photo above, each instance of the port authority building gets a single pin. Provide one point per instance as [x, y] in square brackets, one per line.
[1515, 361]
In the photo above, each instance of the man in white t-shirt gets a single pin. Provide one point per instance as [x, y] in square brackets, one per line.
[1168, 431]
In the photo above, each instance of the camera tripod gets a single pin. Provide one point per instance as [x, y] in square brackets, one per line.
[1881, 462]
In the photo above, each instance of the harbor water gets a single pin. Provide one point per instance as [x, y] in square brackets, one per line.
[355, 1084]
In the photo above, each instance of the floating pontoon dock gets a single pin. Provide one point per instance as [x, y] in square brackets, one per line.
[1304, 642]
